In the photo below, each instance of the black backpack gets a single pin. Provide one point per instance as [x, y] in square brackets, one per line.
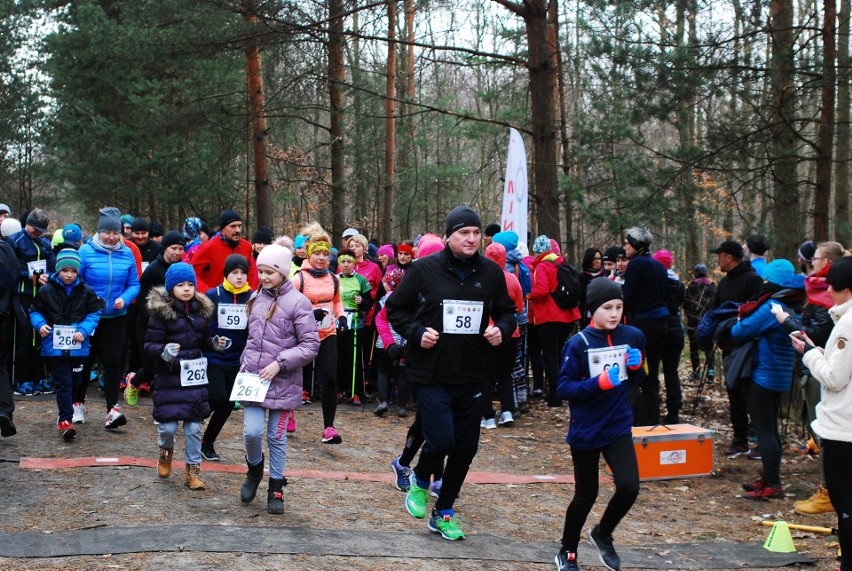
[567, 293]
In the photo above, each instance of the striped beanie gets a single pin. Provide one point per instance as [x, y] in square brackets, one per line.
[68, 258]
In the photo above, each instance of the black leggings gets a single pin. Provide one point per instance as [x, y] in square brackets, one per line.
[764, 408]
[221, 383]
[323, 369]
[501, 379]
[552, 337]
[621, 457]
[838, 478]
[655, 331]
[107, 346]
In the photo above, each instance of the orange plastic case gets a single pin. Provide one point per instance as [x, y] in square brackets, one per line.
[667, 452]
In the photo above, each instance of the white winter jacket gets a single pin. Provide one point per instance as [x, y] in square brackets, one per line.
[833, 369]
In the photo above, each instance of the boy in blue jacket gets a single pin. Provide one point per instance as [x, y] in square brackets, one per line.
[598, 366]
[65, 313]
[231, 320]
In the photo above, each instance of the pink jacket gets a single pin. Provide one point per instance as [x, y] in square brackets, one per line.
[289, 338]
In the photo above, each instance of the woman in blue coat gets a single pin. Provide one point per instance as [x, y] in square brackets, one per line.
[772, 372]
[108, 266]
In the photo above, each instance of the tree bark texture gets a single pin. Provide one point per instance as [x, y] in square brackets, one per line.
[257, 106]
[842, 225]
[825, 150]
[785, 211]
[386, 223]
[336, 77]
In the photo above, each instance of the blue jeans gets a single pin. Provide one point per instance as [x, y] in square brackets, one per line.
[192, 434]
[254, 423]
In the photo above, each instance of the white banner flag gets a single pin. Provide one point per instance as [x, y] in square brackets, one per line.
[515, 197]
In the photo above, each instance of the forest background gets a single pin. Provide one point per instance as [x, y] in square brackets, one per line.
[699, 119]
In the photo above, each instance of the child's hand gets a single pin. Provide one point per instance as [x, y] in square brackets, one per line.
[78, 337]
[268, 372]
[634, 357]
[609, 379]
[612, 373]
[44, 330]
[170, 351]
[220, 342]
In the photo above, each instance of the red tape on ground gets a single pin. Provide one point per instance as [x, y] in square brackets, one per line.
[90, 461]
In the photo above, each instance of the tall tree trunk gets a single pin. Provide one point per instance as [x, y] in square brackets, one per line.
[540, 62]
[842, 225]
[386, 223]
[825, 154]
[785, 210]
[336, 77]
[257, 106]
[408, 153]
[565, 143]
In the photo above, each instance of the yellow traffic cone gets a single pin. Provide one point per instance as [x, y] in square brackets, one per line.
[780, 540]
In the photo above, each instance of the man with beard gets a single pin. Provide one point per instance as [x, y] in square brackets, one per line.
[209, 259]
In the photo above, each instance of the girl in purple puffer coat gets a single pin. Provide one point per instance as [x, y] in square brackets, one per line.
[282, 338]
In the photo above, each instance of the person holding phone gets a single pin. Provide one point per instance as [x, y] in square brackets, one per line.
[772, 372]
[832, 367]
[815, 324]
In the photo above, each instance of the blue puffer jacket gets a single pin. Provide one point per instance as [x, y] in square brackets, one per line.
[773, 367]
[112, 275]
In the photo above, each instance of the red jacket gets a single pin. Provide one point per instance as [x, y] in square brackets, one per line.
[542, 307]
[209, 262]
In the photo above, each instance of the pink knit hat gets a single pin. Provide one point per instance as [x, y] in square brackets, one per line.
[386, 250]
[664, 257]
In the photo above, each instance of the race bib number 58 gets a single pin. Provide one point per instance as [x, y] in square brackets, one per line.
[462, 317]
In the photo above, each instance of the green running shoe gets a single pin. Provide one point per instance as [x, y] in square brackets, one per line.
[446, 525]
[417, 499]
[131, 395]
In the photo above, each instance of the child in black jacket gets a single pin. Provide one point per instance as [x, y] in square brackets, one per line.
[65, 313]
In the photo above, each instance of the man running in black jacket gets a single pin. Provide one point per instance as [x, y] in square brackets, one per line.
[454, 310]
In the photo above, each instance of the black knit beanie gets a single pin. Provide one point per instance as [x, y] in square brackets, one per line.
[461, 217]
[601, 291]
[235, 261]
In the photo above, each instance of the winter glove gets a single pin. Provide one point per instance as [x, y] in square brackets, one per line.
[396, 351]
[221, 343]
[634, 358]
[609, 378]
[341, 324]
[170, 351]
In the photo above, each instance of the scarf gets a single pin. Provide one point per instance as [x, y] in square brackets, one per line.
[228, 287]
[98, 243]
[817, 289]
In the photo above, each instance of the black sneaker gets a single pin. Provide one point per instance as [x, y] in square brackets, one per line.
[606, 551]
[7, 427]
[566, 561]
[208, 452]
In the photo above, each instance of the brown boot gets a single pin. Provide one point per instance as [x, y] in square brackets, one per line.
[164, 463]
[193, 477]
[816, 504]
